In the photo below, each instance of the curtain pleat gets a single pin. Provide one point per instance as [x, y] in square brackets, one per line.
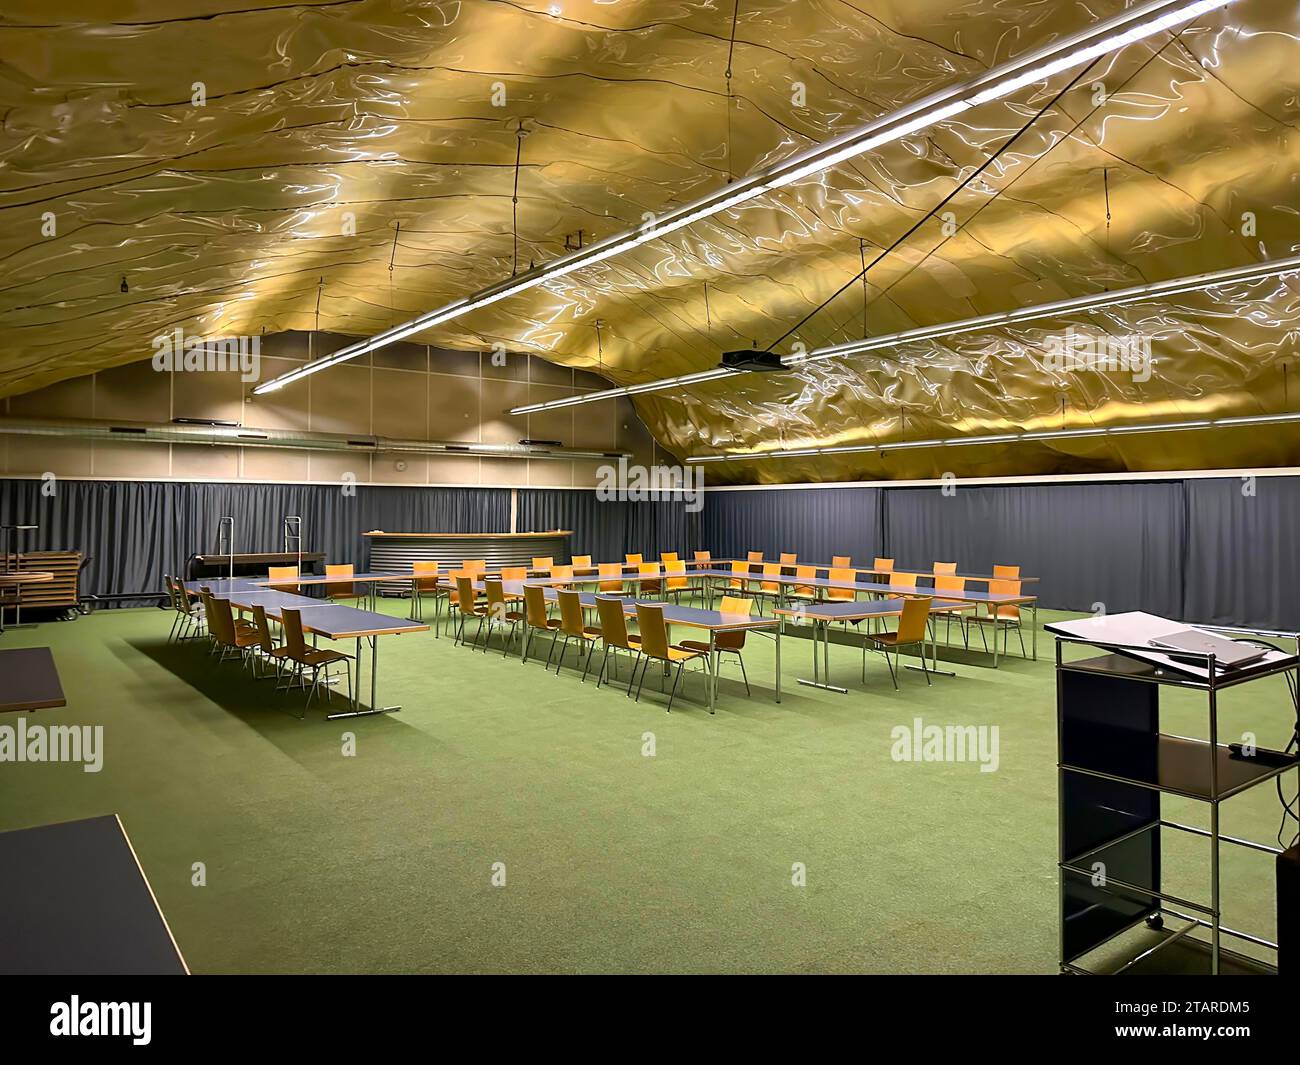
[134, 532]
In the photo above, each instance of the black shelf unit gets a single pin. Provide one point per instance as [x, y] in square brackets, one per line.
[1114, 764]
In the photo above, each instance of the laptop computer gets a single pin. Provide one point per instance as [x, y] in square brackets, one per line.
[1226, 652]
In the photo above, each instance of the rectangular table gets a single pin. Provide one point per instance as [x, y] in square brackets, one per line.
[992, 600]
[330, 620]
[29, 680]
[983, 578]
[712, 621]
[824, 614]
[75, 902]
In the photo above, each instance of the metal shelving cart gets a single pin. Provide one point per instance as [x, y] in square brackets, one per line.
[1113, 766]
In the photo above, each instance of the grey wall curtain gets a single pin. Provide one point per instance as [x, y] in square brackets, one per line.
[598, 527]
[817, 523]
[609, 529]
[1120, 545]
[135, 532]
[1200, 550]
[1243, 562]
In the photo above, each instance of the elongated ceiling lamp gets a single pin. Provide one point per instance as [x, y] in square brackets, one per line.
[1115, 33]
[1006, 438]
[1057, 309]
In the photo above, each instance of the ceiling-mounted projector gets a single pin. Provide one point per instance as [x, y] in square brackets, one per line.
[762, 361]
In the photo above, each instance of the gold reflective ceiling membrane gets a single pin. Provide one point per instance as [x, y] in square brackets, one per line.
[224, 218]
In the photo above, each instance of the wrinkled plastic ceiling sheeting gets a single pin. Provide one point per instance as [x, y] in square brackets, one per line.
[235, 217]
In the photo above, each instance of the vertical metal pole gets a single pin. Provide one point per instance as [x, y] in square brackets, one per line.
[226, 535]
[356, 691]
[1214, 822]
[780, 627]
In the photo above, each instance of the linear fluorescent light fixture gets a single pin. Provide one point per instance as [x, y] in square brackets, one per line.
[1045, 434]
[1074, 51]
[1057, 309]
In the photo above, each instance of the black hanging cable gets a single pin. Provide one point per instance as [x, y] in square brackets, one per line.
[1175, 39]
[866, 289]
[1105, 188]
[600, 350]
[731, 50]
[392, 260]
[708, 314]
[320, 287]
[936, 208]
[520, 134]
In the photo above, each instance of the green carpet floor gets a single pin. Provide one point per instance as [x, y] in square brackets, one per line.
[614, 861]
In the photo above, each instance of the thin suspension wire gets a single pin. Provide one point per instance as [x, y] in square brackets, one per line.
[731, 51]
[961, 187]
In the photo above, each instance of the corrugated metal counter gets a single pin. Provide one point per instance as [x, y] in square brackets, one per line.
[394, 552]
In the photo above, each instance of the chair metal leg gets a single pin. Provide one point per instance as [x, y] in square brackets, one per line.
[741, 659]
[550, 654]
[676, 680]
[893, 675]
[632, 676]
[603, 662]
[591, 653]
[644, 667]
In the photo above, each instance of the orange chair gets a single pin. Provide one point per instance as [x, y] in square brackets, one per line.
[632, 560]
[655, 646]
[842, 595]
[646, 585]
[842, 562]
[265, 645]
[614, 634]
[543, 565]
[573, 627]
[902, 580]
[342, 589]
[611, 577]
[535, 617]
[944, 582]
[677, 581]
[467, 605]
[315, 659]
[427, 583]
[561, 573]
[667, 556]
[731, 641]
[514, 573]
[754, 556]
[474, 565]
[738, 570]
[947, 568]
[281, 573]
[789, 558]
[911, 632]
[1010, 573]
[229, 634]
[703, 556]
[498, 612]
[769, 589]
[806, 592]
[581, 562]
[1006, 616]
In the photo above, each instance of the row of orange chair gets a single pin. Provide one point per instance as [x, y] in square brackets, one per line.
[649, 644]
[253, 643]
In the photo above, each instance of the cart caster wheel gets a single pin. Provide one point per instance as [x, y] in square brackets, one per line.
[1155, 922]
